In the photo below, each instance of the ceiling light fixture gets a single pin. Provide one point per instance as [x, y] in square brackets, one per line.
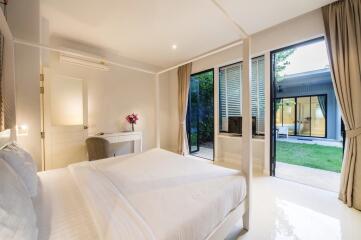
[174, 47]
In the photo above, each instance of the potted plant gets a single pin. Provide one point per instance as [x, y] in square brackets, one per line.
[132, 119]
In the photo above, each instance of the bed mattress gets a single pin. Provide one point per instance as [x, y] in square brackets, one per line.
[61, 210]
[157, 195]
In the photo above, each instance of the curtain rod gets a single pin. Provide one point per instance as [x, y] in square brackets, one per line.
[41, 46]
[239, 42]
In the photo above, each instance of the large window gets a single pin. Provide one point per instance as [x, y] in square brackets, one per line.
[230, 91]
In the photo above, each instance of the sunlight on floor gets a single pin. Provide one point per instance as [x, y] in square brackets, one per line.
[297, 221]
[283, 210]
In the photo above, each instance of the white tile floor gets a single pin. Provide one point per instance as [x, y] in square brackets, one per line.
[284, 210]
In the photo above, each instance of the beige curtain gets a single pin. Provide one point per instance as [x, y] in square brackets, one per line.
[2, 124]
[184, 74]
[343, 31]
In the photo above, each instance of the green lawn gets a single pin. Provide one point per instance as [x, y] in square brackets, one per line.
[310, 155]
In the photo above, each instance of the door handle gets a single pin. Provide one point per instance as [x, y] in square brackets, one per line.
[85, 127]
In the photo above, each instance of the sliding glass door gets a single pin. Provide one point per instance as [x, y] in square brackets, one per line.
[318, 115]
[302, 116]
[285, 114]
[303, 127]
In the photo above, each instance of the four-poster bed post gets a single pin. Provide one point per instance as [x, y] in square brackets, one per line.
[157, 111]
[246, 155]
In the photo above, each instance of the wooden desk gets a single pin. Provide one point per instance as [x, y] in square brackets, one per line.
[119, 137]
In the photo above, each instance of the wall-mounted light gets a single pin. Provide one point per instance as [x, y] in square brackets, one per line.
[22, 130]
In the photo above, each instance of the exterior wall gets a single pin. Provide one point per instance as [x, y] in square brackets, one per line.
[333, 118]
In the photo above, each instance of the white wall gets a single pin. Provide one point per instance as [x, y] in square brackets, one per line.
[293, 31]
[114, 94]
[23, 20]
[169, 120]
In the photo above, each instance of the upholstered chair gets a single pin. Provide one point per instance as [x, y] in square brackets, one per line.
[98, 148]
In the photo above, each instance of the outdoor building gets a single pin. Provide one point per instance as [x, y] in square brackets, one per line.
[308, 106]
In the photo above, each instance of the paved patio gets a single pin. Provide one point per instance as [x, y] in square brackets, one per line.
[313, 177]
[309, 140]
[204, 152]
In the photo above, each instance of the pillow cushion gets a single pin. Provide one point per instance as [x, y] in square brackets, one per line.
[17, 215]
[24, 166]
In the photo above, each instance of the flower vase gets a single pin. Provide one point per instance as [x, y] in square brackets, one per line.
[132, 127]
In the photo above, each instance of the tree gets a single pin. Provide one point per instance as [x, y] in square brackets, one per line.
[202, 105]
[281, 62]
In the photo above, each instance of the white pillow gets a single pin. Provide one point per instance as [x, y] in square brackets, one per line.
[17, 215]
[24, 166]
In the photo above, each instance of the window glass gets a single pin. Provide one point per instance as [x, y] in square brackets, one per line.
[230, 92]
[318, 116]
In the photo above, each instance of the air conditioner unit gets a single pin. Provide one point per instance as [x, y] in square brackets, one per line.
[79, 60]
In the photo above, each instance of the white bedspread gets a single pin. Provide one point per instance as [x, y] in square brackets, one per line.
[61, 210]
[157, 195]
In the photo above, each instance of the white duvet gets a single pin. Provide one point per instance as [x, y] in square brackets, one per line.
[157, 195]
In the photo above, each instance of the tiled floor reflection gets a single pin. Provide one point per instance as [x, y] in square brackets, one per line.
[284, 210]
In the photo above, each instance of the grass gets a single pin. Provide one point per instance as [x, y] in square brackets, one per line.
[310, 155]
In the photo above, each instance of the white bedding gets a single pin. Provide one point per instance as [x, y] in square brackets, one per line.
[61, 210]
[157, 195]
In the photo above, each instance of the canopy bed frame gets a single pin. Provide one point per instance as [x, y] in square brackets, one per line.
[241, 212]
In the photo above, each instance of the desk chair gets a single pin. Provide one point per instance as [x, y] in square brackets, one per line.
[98, 148]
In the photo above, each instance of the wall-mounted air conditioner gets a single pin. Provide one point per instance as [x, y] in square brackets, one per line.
[83, 61]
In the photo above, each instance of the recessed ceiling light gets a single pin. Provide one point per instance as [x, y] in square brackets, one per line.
[174, 46]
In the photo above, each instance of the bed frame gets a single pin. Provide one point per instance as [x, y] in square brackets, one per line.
[232, 220]
[239, 214]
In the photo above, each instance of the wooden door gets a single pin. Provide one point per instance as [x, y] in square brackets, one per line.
[65, 120]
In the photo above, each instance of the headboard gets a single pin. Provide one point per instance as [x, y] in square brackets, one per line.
[5, 138]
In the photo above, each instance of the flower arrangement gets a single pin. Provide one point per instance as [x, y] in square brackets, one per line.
[132, 119]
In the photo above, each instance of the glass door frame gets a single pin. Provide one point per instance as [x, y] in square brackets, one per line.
[273, 95]
[188, 120]
[188, 117]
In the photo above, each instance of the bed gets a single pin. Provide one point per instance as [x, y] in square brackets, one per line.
[151, 195]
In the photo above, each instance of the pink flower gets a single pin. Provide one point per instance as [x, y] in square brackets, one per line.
[132, 118]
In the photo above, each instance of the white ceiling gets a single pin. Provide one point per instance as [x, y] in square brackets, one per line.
[145, 30]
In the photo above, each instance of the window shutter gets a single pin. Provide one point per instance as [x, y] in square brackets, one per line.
[229, 93]
[257, 90]
[222, 93]
[234, 90]
[261, 94]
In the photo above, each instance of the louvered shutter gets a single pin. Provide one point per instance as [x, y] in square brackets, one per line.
[257, 90]
[229, 94]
